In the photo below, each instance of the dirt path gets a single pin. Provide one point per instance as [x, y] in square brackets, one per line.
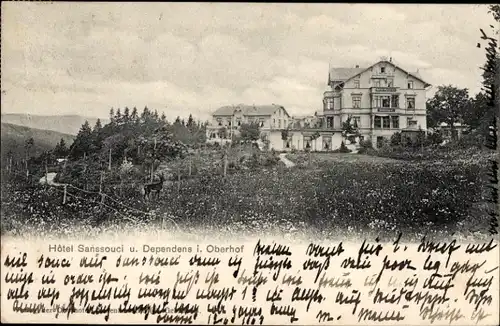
[285, 160]
[50, 179]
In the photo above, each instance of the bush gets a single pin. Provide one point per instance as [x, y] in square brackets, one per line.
[435, 138]
[472, 140]
[342, 149]
[411, 198]
[396, 139]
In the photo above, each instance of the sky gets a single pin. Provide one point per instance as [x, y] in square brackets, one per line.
[180, 58]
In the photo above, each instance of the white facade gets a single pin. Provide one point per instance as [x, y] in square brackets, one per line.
[383, 99]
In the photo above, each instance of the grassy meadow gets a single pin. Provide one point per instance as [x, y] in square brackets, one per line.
[325, 195]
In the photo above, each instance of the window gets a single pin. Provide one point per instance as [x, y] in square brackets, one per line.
[356, 83]
[238, 122]
[378, 122]
[410, 103]
[329, 104]
[386, 102]
[390, 82]
[356, 102]
[279, 123]
[327, 142]
[219, 122]
[395, 101]
[382, 70]
[261, 123]
[361, 138]
[411, 122]
[377, 82]
[307, 142]
[356, 121]
[380, 141]
[329, 122]
[386, 123]
[410, 84]
[395, 122]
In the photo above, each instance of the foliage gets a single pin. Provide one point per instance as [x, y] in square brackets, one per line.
[342, 149]
[61, 149]
[449, 104]
[284, 134]
[364, 197]
[249, 132]
[349, 128]
[435, 138]
[396, 139]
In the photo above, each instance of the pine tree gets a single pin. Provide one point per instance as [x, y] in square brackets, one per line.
[118, 117]
[97, 126]
[126, 115]
[190, 122]
[145, 115]
[134, 117]
[112, 116]
[61, 150]
[83, 141]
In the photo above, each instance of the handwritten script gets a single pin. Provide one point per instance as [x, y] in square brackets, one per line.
[252, 283]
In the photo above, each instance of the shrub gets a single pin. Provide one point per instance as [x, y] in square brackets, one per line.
[342, 149]
[396, 139]
[435, 138]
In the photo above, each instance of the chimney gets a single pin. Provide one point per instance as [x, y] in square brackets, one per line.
[357, 66]
[390, 60]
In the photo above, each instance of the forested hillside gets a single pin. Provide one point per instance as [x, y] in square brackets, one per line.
[19, 141]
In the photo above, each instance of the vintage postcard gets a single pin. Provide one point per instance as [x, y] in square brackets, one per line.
[249, 163]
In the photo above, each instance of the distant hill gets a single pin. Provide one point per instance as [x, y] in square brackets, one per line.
[67, 124]
[14, 137]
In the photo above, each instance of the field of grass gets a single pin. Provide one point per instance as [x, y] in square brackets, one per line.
[339, 194]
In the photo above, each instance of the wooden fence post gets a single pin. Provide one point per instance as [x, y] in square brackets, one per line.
[100, 187]
[178, 179]
[225, 162]
[109, 160]
[46, 173]
[64, 196]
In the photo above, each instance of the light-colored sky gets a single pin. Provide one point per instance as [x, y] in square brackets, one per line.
[84, 58]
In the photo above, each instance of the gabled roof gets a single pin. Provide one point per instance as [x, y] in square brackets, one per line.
[248, 110]
[345, 74]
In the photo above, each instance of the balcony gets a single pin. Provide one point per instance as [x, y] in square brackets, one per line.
[385, 109]
[378, 89]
